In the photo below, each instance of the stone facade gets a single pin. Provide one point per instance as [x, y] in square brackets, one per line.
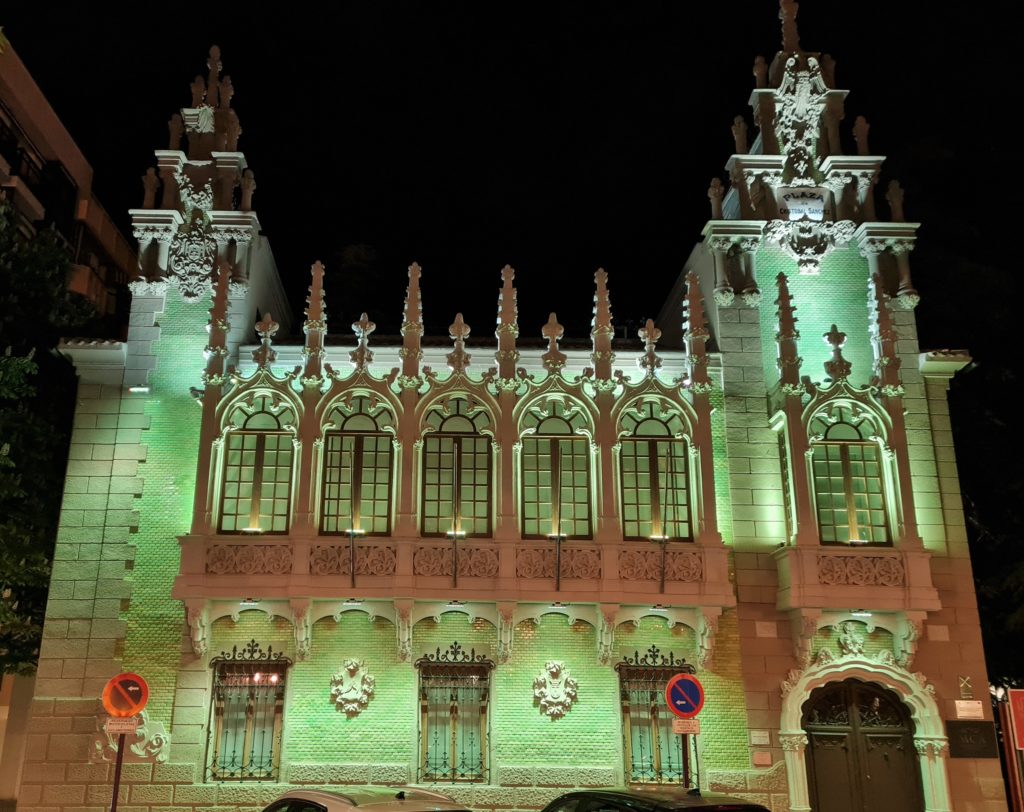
[152, 577]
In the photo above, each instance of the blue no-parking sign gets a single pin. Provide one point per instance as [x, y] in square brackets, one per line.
[684, 695]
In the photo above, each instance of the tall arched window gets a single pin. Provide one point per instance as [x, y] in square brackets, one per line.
[555, 471]
[456, 471]
[357, 474]
[258, 455]
[849, 489]
[653, 475]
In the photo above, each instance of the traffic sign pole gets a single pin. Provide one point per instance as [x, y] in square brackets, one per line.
[117, 771]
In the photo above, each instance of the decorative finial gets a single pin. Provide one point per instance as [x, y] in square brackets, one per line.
[227, 90]
[649, 361]
[266, 329]
[894, 194]
[198, 88]
[861, 128]
[175, 129]
[458, 359]
[314, 328]
[553, 359]
[788, 9]
[786, 336]
[716, 192]
[213, 83]
[828, 70]
[150, 184]
[695, 331]
[412, 327]
[508, 326]
[248, 184]
[601, 330]
[739, 135]
[361, 356]
[760, 72]
[838, 368]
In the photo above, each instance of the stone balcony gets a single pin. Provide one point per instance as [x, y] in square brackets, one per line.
[844, 578]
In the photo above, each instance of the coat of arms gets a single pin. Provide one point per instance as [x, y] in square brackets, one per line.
[555, 689]
[352, 687]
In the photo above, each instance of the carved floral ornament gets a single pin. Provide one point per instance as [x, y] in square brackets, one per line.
[152, 742]
[192, 258]
[352, 688]
[555, 690]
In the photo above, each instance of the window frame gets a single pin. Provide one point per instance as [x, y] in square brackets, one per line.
[256, 497]
[659, 518]
[554, 452]
[355, 494]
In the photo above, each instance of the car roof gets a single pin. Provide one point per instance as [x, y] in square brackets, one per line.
[663, 796]
[367, 796]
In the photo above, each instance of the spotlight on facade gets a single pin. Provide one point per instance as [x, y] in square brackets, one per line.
[859, 613]
[659, 608]
[252, 530]
[248, 603]
[139, 390]
[454, 604]
[352, 602]
[558, 605]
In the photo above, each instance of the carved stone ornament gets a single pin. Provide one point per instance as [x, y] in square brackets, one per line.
[352, 687]
[474, 562]
[576, 563]
[152, 742]
[645, 565]
[555, 689]
[851, 638]
[192, 258]
[808, 241]
[333, 559]
[875, 570]
[249, 559]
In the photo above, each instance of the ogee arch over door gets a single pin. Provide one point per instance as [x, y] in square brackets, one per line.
[860, 753]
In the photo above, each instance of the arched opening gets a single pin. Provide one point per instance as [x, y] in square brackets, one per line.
[860, 750]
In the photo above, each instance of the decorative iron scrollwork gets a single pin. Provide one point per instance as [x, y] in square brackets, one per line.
[653, 658]
[455, 655]
[252, 652]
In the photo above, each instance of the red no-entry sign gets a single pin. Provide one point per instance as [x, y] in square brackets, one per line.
[125, 695]
[684, 695]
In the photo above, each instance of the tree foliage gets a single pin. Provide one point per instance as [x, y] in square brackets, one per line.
[36, 398]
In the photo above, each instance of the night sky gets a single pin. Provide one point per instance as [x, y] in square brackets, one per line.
[560, 137]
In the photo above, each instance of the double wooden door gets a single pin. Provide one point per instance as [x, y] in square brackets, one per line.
[860, 753]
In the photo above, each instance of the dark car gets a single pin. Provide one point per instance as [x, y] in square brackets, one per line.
[647, 799]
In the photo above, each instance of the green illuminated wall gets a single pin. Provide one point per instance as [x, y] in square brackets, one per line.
[155, 621]
[838, 295]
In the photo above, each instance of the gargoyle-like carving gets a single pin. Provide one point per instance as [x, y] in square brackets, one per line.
[555, 689]
[809, 241]
[352, 687]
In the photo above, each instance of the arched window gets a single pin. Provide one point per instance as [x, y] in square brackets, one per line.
[848, 483]
[653, 475]
[258, 455]
[456, 471]
[357, 474]
[555, 478]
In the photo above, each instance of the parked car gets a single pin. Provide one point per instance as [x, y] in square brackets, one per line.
[365, 799]
[659, 798]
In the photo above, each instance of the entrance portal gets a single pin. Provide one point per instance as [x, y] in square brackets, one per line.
[860, 753]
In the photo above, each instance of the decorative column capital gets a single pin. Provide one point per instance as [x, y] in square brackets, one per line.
[793, 742]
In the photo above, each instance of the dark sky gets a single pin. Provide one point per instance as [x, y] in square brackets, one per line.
[556, 137]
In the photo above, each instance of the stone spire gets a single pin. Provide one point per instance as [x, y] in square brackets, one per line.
[788, 9]
[554, 359]
[412, 326]
[458, 359]
[601, 330]
[266, 329]
[508, 326]
[217, 348]
[887, 361]
[695, 329]
[362, 356]
[649, 362]
[837, 368]
[786, 336]
[314, 328]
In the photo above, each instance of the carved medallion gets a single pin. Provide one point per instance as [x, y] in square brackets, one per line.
[555, 689]
[192, 255]
[352, 688]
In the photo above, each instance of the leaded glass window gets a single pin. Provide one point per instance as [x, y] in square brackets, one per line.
[246, 715]
[654, 476]
[457, 471]
[555, 474]
[653, 753]
[258, 460]
[848, 482]
[454, 726]
[357, 474]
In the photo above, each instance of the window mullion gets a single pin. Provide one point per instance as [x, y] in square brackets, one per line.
[257, 482]
[457, 483]
[851, 505]
[657, 525]
[357, 482]
[554, 447]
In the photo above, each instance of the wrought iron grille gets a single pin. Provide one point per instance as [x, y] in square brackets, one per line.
[653, 753]
[454, 691]
[246, 713]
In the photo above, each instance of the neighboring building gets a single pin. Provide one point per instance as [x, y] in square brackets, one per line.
[397, 564]
[50, 183]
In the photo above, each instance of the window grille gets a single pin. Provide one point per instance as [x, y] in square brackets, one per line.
[246, 713]
[653, 753]
[848, 485]
[453, 691]
[357, 475]
[258, 460]
[457, 473]
[654, 476]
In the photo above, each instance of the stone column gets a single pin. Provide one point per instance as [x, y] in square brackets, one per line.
[794, 746]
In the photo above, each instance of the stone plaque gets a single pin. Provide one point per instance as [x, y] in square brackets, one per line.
[971, 739]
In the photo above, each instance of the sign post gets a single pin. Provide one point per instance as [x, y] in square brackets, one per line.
[684, 696]
[124, 697]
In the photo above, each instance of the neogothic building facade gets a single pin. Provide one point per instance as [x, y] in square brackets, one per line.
[403, 564]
